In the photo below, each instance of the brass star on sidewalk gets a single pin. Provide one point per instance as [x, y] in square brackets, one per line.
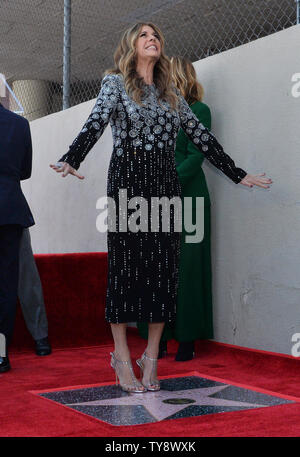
[164, 403]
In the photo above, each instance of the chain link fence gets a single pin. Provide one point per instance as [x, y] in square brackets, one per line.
[32, 33]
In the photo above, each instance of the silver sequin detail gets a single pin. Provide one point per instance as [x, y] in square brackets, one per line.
[143, 266]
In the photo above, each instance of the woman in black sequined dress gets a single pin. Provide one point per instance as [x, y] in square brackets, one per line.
[145, 112]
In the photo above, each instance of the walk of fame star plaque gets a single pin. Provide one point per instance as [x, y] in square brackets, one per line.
[181, 396]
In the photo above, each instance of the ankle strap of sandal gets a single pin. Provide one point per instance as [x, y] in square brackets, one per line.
[128, 362]
[149, 358]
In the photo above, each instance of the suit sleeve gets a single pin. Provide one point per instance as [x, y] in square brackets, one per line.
[27, 160]
[194, 158]
[95, 124]
[207, 143]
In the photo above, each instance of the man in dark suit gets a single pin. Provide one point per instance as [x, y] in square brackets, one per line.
[15, 214]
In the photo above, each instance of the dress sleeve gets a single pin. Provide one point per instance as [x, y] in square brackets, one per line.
[207, 143]
[97, 121]
[190, 166]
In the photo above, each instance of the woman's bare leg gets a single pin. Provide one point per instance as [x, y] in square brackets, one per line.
[120, 339]
[155, 330]
[122, 353]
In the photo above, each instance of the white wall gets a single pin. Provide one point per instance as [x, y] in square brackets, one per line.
[65, 208]
[255, 232]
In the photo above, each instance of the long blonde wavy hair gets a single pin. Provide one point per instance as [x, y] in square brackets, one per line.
[125, 58]
[185, 79]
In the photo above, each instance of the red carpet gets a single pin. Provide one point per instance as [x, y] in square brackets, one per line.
[74, 288]
[25, 414]
[76, 319]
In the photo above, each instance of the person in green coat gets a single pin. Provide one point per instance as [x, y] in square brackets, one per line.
[194, 302]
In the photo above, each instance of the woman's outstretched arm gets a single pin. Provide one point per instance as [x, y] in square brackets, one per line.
[189, 167]
[93, 128]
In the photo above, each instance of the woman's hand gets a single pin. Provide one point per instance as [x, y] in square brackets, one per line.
[255, 180]
[65, 169]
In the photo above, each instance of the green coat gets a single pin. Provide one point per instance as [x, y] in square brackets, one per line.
[194, 318]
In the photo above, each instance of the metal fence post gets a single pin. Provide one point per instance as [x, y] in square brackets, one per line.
[67, 54]
[298, 11]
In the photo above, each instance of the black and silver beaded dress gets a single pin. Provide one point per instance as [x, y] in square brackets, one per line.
[143, 265]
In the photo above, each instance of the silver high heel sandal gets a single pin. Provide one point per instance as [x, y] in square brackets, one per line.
[150, 385]
[117, 365]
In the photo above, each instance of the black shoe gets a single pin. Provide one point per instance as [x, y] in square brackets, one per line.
[163, 346]
[186, 351]
[4, 364]
[42, 346]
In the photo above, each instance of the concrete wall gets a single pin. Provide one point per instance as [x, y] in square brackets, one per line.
[35, 103]
[255, 232]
